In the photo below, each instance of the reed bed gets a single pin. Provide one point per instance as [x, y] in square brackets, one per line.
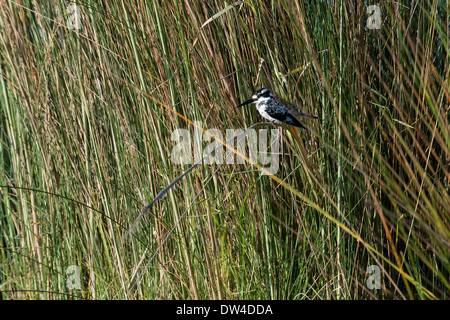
[89, 106]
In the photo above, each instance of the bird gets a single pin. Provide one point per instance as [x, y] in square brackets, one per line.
[276, 109]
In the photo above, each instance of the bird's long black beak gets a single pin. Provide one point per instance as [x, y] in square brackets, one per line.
[246, 102]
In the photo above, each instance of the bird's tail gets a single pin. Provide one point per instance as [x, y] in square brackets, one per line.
[307, 115]
[297, 110]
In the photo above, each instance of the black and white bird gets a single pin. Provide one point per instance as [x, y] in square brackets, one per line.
[277, 110]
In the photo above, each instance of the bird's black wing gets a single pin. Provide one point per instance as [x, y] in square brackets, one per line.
[294, 110]
[283, 115]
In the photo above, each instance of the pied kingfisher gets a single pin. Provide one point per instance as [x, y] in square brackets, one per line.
[275, 109]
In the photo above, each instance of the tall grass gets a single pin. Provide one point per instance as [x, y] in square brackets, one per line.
[86, 123]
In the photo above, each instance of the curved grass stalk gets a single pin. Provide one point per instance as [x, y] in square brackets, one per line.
[144, 211]
[297, 193]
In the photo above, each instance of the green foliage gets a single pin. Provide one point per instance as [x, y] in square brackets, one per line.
[86, 119]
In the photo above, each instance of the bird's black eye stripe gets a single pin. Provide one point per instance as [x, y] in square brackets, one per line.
[264, 92]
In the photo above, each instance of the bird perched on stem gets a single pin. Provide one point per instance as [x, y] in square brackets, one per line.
[276, 109]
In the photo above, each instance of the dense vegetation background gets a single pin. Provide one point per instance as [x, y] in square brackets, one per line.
[91, 94]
